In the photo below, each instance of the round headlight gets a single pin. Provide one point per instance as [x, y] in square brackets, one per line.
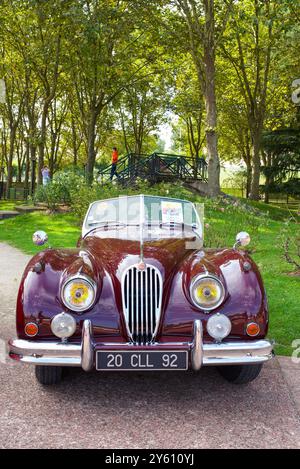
[218, 326]
[207, 292]
[78, 294]
[63, 325]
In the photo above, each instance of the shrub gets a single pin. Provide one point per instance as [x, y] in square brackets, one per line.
[85, 195]
[52, 195]
[221, 230]
[290, 245]
[60, 190]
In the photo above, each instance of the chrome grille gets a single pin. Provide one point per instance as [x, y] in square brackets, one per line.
[142, 297]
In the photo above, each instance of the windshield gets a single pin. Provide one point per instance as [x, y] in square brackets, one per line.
[146, 210]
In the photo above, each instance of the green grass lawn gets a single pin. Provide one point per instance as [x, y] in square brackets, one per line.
[224, 222]
[9, 205]
[63, 231]
[275, 212]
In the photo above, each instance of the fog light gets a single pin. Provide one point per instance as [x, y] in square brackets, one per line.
[63, 325]
[31, 329]
[218, 326]
[253, 329]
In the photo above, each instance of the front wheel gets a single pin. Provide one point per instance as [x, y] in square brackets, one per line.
[240, 374]
[48, 375]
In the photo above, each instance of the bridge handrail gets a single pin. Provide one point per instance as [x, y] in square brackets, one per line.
[131, 166]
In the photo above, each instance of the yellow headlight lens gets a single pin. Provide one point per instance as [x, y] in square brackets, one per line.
[207, 292]
[78, 294]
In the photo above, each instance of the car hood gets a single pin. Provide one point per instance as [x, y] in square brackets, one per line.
[115, 255]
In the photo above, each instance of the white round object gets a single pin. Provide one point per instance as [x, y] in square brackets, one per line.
[63, 325]
[219, 326]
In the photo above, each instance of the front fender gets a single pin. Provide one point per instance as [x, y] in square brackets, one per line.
[245, 299]
[39, 292]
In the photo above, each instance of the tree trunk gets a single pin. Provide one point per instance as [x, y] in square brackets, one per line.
[138, 147]
[256, 165]
[91, 156]
[269, 177]
[249, 179]
[10, 160]
[42, 143]
[267, 192]
[19, 175]
[27, 169]
[33, 167]
[210, 102]
[74, 142]
[211, 133]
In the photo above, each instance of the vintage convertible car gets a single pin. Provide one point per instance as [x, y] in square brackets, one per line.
[141, 293]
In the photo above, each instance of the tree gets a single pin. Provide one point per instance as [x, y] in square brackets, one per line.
[204, 36]
[142, 110]
[282, 160]
[188, 105]
[13, 109]
[248, 47]
[106, 60]
[34, 31]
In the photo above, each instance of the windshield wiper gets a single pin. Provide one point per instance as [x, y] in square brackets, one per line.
[106, 223]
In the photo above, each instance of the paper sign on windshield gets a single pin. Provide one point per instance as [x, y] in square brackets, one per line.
[171, 212]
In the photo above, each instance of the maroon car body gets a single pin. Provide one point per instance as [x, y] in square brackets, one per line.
[104, 254]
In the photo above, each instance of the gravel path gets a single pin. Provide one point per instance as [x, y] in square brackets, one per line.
[180, 410]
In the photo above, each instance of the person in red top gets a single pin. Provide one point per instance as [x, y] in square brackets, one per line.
[114, 162]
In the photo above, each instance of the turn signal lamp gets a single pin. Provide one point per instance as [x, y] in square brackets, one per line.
[31, 329]
[253, 329]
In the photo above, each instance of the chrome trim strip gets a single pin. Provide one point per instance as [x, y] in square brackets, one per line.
[237, 353]
[45, 353]
[197, 346]
[87, 348]
[213, 354]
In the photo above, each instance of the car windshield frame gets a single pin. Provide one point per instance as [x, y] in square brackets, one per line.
[171, 213]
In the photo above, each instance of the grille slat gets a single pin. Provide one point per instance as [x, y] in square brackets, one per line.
[142, 298]
[146, 306]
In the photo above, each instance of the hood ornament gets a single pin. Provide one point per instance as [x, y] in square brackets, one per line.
[142, 265]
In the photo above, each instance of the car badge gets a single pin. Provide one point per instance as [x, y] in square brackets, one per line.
[141, 266]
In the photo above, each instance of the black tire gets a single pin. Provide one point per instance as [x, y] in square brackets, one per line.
[48, 375]
[240, 374]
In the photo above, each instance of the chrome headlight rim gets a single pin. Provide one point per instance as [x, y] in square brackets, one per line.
[79, 277]
[207, 309]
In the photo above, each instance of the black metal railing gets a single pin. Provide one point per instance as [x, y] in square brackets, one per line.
[157, 167]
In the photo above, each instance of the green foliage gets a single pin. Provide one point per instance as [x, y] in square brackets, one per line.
[282, 149]
[238, 179]
[61, 190]
[291, 187]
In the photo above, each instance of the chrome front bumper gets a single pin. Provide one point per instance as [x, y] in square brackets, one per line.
[60, 354]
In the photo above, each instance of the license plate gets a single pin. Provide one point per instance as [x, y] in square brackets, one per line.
[141, 360]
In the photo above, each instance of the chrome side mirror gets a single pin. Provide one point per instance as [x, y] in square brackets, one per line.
[40, 238]
[242, 239]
